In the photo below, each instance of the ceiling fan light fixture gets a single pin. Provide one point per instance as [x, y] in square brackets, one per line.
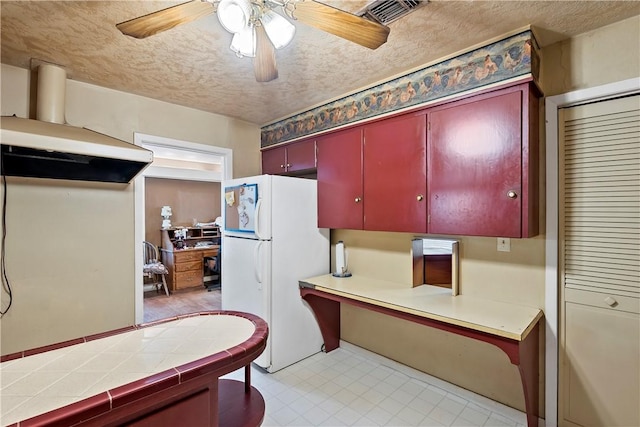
[234, 15]
[278, 29]
[244, 42]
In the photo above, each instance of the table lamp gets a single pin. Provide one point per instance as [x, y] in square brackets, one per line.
[165, 213]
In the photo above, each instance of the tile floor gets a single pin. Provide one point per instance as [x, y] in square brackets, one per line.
[353, 387]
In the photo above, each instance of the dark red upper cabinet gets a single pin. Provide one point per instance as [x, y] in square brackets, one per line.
[395, 184]
[290, 159]
[274, 161]
[301, 156]
[340, 198]
[483, 163]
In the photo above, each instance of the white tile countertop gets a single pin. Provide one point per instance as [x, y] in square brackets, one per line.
[39, 383]
[503, 319]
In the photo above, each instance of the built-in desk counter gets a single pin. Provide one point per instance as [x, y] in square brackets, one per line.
[512, 328]
[163, 374]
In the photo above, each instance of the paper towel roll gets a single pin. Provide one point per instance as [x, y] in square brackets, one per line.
[341, 265]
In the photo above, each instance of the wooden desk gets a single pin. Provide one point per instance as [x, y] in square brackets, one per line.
[186, 266]
[510, 327]
[165, 373]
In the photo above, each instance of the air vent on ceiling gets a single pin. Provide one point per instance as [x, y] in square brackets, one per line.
[386, 11]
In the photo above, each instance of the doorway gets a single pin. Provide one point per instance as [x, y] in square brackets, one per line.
[173, 159]
[552, 106]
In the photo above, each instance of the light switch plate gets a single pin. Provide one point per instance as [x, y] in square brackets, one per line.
[504, 244]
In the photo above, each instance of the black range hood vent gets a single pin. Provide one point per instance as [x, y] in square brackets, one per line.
[34, 163]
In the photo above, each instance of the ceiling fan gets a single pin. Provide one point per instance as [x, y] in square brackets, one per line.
[258, 30]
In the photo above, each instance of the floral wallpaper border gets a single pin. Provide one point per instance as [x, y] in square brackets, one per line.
[512, 57]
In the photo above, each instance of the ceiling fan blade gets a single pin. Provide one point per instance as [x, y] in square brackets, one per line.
[340, 23]
[264, 64]
[165, 19]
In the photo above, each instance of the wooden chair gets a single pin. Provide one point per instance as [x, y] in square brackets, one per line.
[153, 268]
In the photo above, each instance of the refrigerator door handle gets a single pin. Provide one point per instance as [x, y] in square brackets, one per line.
[256, 265]
[257, 219]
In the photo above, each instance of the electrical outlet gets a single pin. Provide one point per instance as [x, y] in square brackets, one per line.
[504, 244]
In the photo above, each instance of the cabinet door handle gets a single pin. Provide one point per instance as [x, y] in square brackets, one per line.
[611, 301]
[288, 165]
[512, 194]
[420, 197]
[281, 166]
[358, 199]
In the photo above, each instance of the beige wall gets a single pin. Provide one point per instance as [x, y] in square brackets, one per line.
[70, 246]
[608, 54]
[603, 56]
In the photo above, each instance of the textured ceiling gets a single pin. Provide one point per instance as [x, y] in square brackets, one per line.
[192, 65]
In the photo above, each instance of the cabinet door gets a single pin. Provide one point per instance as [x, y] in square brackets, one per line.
[340, 203]
[475, 166]
[601, 368]
[274, 161]
[395, 181]
[301, 155]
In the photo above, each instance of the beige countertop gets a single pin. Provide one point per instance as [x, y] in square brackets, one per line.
[498, 318]
[35, 384]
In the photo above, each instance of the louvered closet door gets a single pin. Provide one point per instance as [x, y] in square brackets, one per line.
[600, 263]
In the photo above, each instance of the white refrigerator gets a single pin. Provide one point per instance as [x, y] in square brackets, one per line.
[270, 241]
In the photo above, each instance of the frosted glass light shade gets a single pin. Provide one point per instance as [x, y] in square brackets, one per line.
[234, 14]
[278, 29]
[244, 42]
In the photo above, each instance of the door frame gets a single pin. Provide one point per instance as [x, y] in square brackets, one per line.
[551, 308]
[180, 150]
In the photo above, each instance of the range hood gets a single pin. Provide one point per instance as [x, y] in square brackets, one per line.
[47, 148]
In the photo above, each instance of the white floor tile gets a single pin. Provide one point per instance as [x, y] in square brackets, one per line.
[385, 388]
[473, 416]
[316, 416]
[421, 405]
[396, 379]
[354, 387]
[411, 416]
[413, 387]
[289, 395]
[430, 422]
[391, 405]
[452, 406]
[361, 405]
[317, 396]
[332, 406]
[431, 395]
[302, 405]
[442, 416]
[366, 422]
[369, 380]
[496, 420]
[374, 396]
[334, 422]
[284, 416]
[345, 396]
[379, 416]
[402, 395]
[348, 415]
[357, 387]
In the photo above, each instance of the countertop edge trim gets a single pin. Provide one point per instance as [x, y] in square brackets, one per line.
[108, 400]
